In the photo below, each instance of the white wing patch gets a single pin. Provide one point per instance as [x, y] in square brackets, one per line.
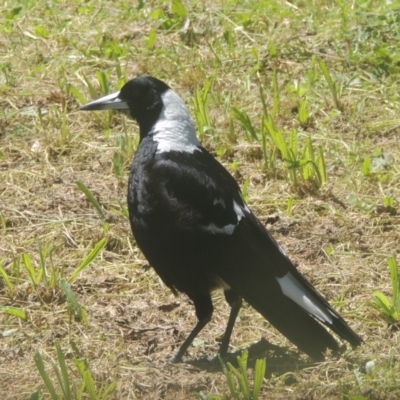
[295, 291]
[174, 129]
[281, 250]
[214, 229]
[219, 201]
[238, 210]
[227, 229]
[245, 207]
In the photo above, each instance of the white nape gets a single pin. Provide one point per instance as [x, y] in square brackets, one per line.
[174, 129]
[293, 289]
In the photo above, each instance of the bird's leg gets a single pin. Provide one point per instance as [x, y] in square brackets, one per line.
[200, 325]
[235, 301]
[204, 310]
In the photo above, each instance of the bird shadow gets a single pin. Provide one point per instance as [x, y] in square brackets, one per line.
[280, 360]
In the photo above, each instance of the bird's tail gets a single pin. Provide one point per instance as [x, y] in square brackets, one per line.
[258, 269]
[297, 319]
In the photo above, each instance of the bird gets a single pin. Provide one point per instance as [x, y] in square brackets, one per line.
[190, 220]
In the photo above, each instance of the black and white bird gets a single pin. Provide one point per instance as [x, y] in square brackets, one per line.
[190, 220]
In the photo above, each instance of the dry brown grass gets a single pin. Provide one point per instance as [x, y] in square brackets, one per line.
[134, 322]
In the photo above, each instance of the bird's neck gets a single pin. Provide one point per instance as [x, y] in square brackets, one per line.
[174, 129]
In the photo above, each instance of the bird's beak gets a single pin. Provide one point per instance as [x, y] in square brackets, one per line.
[109, 102]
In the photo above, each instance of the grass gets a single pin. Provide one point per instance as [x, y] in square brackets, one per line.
[391, 310]
[299, 100]
[68, 389]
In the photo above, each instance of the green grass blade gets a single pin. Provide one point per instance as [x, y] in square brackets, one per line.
[124, 209]
[293, 143]
[104, 80]
[6, 278]
[56, 272]
[42, 264]
[264, 142]
[179, 9]
[241, 379]
[245, 121]
[331, 84]
[290, 205]
[151, 40]
[307, 159]
[77, 353]
[75, 306]
[109, 391]
[15, 311]
[200, 107]
[242, 361]
[259, 374]
[229, 378]
[91, 198]
[263, 101]
[121, 74]
[80, 363]
[38, 395]
[89, 259]
[89, 384]
[3, 223]
[322, 166]
[26, 259]
[94, 94]
[245, 190]
[278, 139]
[304, 115]
[64, 383]
[75, 392]
[367, 167]
[206, 89]
[277, 101]
[384, 304]
[118, 167]
[77, 94]
[60, 382]
[65, 286]
[395, 282]
[40, 366]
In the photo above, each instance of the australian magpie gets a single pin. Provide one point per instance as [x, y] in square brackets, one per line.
[189, 219]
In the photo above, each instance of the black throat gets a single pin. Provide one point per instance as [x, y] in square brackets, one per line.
[147, 120]
[144, 98]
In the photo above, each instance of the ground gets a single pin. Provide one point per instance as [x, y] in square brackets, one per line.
[318, 162]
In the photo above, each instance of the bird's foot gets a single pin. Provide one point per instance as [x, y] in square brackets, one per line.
[176, 358]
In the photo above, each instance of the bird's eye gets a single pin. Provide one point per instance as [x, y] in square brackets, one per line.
[135, 93]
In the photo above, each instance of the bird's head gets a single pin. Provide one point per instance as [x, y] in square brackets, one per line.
[141, 96]
[159, 111]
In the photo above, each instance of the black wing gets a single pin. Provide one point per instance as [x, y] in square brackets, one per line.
[201, 200]
[200, 194]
